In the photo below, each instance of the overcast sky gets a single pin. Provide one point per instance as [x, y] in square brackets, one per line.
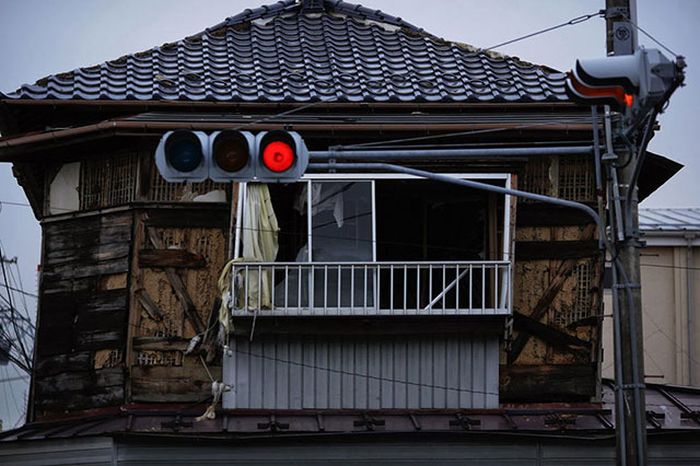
[42, 37]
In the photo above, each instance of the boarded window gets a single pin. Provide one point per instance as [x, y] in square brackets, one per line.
[107, 182]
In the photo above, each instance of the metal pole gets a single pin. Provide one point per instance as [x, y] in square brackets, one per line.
[631, 430]
[404, 154]
[458, 181]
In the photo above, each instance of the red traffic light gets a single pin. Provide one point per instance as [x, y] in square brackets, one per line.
[278, 156]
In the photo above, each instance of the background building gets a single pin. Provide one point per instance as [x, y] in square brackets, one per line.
[670, 297]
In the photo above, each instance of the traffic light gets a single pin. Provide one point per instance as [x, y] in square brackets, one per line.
[180, 156]
[631, 84]
[230, 155]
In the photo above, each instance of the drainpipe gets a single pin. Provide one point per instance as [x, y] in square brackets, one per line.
[690, 305]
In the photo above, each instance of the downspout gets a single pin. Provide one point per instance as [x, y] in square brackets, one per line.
[690, 305]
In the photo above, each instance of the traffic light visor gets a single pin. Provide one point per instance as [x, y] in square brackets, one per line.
[183, 151]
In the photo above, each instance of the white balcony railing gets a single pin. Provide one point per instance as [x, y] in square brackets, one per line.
[371, 288]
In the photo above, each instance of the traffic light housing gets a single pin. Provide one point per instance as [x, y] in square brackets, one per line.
[631, 84]
[181, 156]
[230, 155]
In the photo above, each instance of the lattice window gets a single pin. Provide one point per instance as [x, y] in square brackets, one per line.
[164, 191]
[582, 305]
[107, 182]
[576, 178]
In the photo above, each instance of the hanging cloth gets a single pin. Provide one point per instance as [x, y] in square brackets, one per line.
[259, 236]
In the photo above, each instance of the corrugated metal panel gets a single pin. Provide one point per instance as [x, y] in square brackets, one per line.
[281, 372]
[678, 219]
[83, 452]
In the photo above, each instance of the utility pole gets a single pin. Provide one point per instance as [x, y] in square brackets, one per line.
[631, 430]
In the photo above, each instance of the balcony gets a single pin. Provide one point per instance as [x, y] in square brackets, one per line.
[473, 288]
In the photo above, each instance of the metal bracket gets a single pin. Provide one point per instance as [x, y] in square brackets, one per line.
[369, 422]
[632, 286]
[273, 425]
[465, 422]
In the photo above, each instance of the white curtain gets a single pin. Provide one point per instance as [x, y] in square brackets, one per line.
[259, 237]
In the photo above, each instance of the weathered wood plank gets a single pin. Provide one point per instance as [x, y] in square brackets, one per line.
[548, 334]
[77, 400]
[202, 217]
[168, 383]
[52, 365]
[175, 258]
[71, 271]
[151, 308]
[547, 382]
[89, 254]
[56, 385]
[160, 343]
[538, 250]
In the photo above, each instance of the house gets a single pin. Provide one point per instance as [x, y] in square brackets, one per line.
[408, 313]
[669, 280]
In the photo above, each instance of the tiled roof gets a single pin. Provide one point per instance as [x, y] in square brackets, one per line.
[677, 219]
[307, 51]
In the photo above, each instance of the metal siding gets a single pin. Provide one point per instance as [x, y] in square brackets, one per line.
[79, 452]
[362, 373]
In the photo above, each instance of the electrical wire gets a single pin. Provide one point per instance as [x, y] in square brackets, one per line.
[637, 27]
[571, 22]
[25, 354]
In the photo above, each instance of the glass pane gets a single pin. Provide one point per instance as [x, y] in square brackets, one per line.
[341, 221]
[341, 231]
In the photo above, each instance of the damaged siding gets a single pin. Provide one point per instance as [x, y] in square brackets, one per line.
[83, 313]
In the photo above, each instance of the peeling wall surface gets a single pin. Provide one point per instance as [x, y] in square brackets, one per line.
[63, 190]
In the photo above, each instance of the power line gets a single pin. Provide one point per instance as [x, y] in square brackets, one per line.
[651, 37]
[677, 267]
[571, 22]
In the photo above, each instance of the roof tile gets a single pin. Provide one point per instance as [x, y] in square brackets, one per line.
[280, 53]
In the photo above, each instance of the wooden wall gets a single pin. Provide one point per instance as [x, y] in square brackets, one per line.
[83, 312]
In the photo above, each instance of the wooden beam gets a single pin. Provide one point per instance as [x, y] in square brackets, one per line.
[179, 288]
[175, 258]
[539, 250]
[549, 334]
[547, 383]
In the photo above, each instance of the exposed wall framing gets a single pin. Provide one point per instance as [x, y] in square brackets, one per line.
[164, 191]
[175, 299]
[107, 182]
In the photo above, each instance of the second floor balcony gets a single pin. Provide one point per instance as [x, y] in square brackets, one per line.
[372, 288]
